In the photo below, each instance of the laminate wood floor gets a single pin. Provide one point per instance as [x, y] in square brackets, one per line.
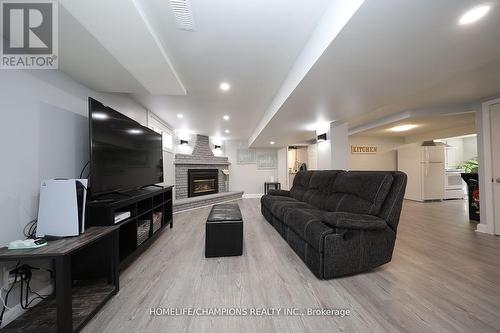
[443, 277]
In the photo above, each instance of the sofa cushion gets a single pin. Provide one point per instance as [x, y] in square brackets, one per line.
[359, 192]
[268, 201]
[306, 223]
[279, 208]
[319, 187]
[283, 193]
[300, 184]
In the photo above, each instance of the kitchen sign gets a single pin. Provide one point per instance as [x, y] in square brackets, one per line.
[363, 149]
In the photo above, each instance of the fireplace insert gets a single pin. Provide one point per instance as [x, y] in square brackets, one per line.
[202, 182]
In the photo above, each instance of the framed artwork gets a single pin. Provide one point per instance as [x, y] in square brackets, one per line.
[267, 159]
[245, 156]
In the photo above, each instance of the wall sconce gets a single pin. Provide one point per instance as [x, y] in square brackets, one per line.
[184, 142]
[217, 147]
[321, 137]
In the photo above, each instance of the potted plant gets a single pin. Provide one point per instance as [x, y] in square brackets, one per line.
[470, 166]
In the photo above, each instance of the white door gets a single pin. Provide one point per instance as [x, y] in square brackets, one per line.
[495, 157]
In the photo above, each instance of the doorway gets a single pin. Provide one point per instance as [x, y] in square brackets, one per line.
[495, 159]
[297, 160]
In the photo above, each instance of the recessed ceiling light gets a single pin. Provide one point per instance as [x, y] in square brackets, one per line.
[474, 14]
[134, 131]
[180, 116]
[272, 142]
[227, 131]
[224, 86]
[99, 116]
[226, 117]
[402, 128]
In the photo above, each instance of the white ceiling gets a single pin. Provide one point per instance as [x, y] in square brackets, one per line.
[423, 125]
[121, 27]
[391, 56]
[88, 61]
[249, 44]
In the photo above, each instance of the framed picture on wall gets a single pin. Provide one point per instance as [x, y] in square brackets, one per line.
[267, 159]
[245, 156]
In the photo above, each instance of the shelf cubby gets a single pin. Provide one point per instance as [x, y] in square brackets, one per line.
[143, 205]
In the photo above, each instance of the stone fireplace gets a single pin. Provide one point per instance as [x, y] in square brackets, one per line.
[196, 165]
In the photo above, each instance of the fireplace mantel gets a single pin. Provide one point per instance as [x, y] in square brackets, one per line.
[197, 162]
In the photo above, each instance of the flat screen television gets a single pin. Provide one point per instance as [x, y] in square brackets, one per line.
[123, 154]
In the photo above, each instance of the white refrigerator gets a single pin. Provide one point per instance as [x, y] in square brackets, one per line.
[425, 167]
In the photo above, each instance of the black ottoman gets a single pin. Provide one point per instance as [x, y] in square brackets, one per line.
[224, 231]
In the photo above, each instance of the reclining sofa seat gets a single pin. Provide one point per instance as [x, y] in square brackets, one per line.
[339, 222]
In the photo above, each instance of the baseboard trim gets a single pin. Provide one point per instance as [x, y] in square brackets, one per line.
[253, 196]
[485, 229]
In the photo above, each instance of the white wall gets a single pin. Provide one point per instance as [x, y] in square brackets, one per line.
[385, 158]
[283, 168]
[312, 156]
[324, 149]
[44, 134]
[340, 145]
[246, 177]
[460, 150]
[333, 152]
[469, 147]
[185, 148]
[454, 153]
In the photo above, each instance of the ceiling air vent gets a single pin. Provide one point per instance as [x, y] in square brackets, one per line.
[183, 14]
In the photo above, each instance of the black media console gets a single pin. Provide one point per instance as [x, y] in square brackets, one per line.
[150, 213]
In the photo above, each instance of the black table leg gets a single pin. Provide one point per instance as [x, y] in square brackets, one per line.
[63, 294]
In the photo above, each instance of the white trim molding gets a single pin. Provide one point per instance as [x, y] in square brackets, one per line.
[485, 228]
[487, 224]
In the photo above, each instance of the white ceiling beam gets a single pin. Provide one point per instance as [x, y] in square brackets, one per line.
[415, 114]
[122, 28]
[330, 25]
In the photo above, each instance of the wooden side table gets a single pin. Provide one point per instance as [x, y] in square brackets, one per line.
[271, 186]
[73, 305]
